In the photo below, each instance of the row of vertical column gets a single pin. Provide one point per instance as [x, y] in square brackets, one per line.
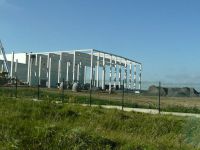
[119, 70]
[56, 65]
[130, 80]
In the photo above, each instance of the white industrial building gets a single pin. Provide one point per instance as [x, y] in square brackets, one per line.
[97, 68]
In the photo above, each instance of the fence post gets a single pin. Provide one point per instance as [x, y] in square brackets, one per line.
[16, 87]
[159, 97]
[38, 90]
[123, 96]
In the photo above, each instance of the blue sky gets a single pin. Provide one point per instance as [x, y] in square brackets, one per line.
[163, 35]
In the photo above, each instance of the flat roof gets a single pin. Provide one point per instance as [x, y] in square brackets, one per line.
[95, 52]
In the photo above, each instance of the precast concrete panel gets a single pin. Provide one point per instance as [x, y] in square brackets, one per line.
[66, 58]
[54, 69]
[77, 66]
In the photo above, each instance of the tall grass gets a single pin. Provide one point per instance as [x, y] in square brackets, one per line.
[26, 124]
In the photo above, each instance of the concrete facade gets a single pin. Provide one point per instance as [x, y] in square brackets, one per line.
[94, 67]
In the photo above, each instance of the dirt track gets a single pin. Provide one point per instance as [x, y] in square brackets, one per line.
[149, 111]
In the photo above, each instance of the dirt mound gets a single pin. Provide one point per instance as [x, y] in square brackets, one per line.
[178, 92]
[153, 90]
[173, 92]
[193, 92]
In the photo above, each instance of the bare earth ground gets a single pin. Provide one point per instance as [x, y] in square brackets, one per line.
[129, 98]
[147, 100]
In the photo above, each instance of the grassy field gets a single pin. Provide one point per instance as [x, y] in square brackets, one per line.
[175, 104]
[25, 124]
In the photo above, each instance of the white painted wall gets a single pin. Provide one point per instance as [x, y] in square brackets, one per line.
[22, 57]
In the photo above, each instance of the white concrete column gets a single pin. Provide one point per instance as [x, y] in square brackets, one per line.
[134, 77]
[110, 77]
[97, 71]
[78, 72]
[80, 77]
[115, 72]
[16, 63]
[103, 73]
[28, 74]
[74, 65]
[91, 69]
[47, 71]
[59, 70]
[130, 75]
[67, 71]
[140, 77]
[49, 82]
[93, 78]
[85, 74]
[36, 59]
[125, 74]
[11, 66]
[39, 69]
[120, 74]
[35, 73]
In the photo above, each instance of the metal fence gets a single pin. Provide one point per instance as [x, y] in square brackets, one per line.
[160, 96]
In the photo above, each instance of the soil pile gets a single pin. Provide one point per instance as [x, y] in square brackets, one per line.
[173, 92]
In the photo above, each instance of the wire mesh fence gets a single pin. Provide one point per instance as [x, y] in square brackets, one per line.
[162, 97]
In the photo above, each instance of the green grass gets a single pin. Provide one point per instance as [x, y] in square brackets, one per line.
[25, 124]
[142, 101]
